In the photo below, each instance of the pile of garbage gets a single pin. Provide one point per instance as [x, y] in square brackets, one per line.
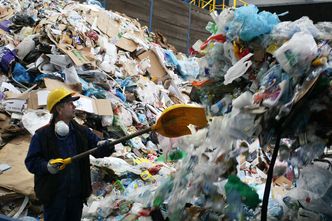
[125, 80]
[268, 86]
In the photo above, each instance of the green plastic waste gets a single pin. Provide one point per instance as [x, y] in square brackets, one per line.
[212, 27]
[176, 155]
[248, 195]
[118, 185]
[162, 192]
[173, 155]
[161, 158]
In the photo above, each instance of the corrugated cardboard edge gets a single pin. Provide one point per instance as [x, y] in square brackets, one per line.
[126, 44]
[33, 101]
[157, 72]
[103, 107]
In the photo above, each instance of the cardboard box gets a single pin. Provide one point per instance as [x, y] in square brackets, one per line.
[157, 72]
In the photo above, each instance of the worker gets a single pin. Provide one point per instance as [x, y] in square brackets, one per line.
[63, 189]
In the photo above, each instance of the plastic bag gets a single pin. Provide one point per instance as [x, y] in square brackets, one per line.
[25, 47]
[7, 57]
[170, 59]
[223, 19]
[71, 76]
[285, 30]
[119, 166]
[325, 30]
[238, 69]
[296, 55]
[33, 120]
[189, 68]
[21, 75]
[247, 24]
[314, 190]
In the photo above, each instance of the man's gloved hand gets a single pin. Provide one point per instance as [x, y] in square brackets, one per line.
[105, 144]
[55, 165]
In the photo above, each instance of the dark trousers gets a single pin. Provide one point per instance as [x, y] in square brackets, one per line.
[63, 209]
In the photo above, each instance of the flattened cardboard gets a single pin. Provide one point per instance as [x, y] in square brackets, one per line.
[104, 107]
[76, 56]
[18, 178]
[157, 72]
[11, 95]
[7, 195]
[52, 84]
[126, 44]
[33, 101]
[283, 182]
[105, 23]
[101, 107]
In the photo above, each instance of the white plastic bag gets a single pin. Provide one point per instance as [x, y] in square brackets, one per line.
[296, 55]
[35, 119]
[238, 69]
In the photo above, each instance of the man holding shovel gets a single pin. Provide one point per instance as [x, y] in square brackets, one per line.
[58, 153]
[63, 189]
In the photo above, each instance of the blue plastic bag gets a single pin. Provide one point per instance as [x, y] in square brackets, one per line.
[21, 75]
[248, 23]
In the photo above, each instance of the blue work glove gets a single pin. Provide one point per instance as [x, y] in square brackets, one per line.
[105, 144]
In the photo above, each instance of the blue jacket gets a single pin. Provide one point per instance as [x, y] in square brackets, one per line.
[74, 180]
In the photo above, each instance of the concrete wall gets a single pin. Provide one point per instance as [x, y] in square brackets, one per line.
[170, 17]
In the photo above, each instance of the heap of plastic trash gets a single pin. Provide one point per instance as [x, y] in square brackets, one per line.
[266, 84]
[125, 80]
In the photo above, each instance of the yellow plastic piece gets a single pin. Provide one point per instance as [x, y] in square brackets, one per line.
[272, 48]
[141, 160]
[319, 61]
[146, 176]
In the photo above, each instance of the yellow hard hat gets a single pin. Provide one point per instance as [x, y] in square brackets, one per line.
[56, 95]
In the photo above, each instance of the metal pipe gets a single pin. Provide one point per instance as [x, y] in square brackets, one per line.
[151, 15]
[189, 29]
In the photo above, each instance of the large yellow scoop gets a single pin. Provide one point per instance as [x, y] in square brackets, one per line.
[173, 122]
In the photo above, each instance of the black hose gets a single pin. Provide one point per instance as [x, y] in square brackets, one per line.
[269, 177]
